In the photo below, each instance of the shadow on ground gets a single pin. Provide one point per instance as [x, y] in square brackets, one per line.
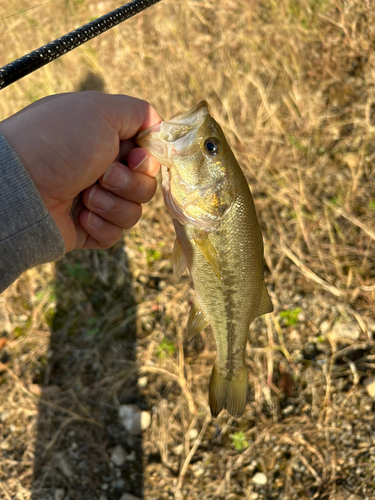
[90, 372]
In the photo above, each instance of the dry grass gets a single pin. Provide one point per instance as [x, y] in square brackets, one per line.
[293, 84]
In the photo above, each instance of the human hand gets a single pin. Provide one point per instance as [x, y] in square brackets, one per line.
[79, 153]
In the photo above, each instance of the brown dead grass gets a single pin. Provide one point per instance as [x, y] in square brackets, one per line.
[292, 83]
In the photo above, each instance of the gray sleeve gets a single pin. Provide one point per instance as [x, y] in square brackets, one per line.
[28, 234]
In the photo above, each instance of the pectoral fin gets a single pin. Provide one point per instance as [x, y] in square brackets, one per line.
[178, 260]
[209, 253]
[265, 304]
[196, 322]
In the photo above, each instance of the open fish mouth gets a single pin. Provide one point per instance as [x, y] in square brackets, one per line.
[176, 136]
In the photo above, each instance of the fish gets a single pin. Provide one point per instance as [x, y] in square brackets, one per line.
[219, 240]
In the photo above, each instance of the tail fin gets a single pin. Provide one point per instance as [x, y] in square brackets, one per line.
[228, 393]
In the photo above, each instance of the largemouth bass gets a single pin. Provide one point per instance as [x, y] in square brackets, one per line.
[218, 239]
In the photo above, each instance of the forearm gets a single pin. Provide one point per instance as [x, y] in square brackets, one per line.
[28, 234]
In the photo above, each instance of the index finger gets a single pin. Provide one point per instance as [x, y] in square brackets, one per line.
[141, 161]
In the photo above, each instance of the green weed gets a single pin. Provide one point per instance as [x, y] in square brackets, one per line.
[290, 316]
[166, 348]
[153, 255]
[239, 441]
[93, 327]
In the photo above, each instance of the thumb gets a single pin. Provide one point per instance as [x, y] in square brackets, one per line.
[128, 114]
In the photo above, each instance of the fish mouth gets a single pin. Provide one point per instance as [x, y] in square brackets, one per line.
[176, 136]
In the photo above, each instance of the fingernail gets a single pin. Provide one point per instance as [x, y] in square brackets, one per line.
[140, 163]
[115, 176]
[94, 220]
[101, 199]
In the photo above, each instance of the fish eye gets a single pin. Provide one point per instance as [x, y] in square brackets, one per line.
[212, 146]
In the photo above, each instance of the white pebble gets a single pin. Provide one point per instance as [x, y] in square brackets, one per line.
[369, 383]
[59, 494]
[4, 415]
[259, 478]
[178, 450]
[253, 496]
[193, 434]
[63, 465]
[345, 332]
[118, 455]
[145, 420]
[134, 419]
[142, 382]
[129, 496]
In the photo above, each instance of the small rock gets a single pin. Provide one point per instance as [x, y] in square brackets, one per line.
[4, 416]
[294, 336]
[105, 486]
[35, 389]
[129, 496]
[193, 434]
[325, 326]
[120, 484]
[59, 494]
[259, 478]
[63, 465]
[343, 494]
[145, 420]
[118, 455]
[178, 450]
[131, 457]
[345, 332]
[198, 469]
[103, 496]
[369, 384]
[288, 410]
[143, 279]
[142, 382]
[134, 419]
[253, 496]
[199, 472]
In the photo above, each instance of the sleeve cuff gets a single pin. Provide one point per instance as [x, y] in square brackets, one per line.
[29, 235]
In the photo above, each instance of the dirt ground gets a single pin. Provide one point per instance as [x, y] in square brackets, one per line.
[293, 85]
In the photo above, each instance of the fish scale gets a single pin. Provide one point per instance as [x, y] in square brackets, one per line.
[218, 240]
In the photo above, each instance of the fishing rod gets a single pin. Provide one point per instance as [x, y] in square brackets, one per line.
[38, 58]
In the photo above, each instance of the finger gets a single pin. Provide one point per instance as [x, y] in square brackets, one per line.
[112, 208]
[101, 233]
[132, 114]
[127, 184]
[139, 159]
